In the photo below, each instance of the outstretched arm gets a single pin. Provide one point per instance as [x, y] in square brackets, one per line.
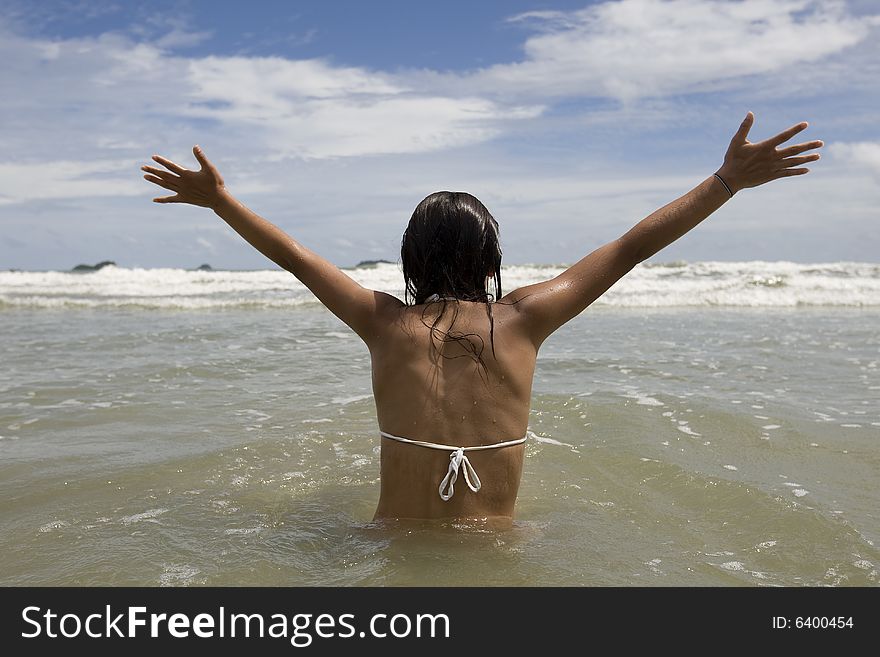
[546, 306]
[362, 309]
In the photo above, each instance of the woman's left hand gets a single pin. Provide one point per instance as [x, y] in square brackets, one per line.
[748, 164]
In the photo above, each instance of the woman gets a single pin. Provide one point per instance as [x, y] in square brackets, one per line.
[453, 366]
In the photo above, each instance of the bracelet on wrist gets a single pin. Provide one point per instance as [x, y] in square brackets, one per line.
[726, 186]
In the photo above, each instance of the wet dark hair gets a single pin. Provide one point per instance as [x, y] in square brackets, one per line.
[450, 248]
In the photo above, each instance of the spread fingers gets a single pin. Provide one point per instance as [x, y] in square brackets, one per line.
[788, 151]
[168, 164]
[156, 180]
[159, 173]
[801, 159]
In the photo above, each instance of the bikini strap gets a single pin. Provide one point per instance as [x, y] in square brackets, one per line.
[458, 460]
[452, 448]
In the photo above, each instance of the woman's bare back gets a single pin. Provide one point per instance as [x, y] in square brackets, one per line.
[440, 393]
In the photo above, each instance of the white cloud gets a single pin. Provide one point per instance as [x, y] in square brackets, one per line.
[647, 48]
[312, 109]
[111, 96]
[85, 95]
[206, 244]
[859, 155]
[265, 79]
[67, 179]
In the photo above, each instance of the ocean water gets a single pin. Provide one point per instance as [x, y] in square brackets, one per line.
[702, 424]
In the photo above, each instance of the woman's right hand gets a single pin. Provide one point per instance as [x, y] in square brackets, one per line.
[204, 187]
[749, 165]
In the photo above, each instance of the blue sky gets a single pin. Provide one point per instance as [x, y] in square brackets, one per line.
[570, 120]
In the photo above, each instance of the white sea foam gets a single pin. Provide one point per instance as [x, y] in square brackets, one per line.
[644, 400]
[146, 515]
[757, 284]
[654, 565]
[548, 441]
[739, 567]
[344, 401]
[178, 575]
[54, 525]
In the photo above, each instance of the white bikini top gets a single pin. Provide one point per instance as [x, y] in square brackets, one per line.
[456, 460]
